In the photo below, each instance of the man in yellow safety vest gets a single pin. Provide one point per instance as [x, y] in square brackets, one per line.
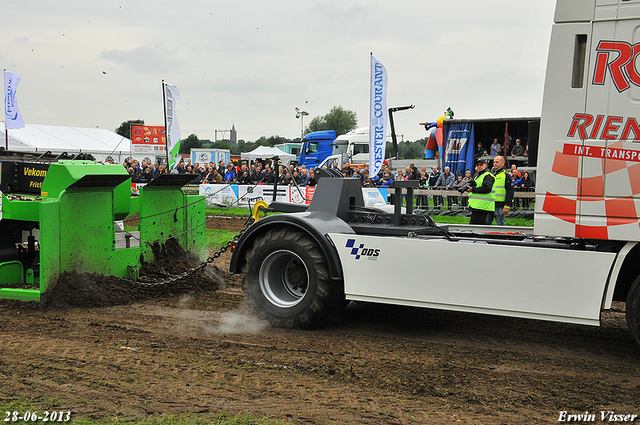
[481, 196]
[503, 191]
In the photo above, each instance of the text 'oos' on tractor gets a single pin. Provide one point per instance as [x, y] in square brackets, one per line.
[60, 215]
[581, 255]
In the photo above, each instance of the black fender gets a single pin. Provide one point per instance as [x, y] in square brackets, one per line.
[315, 224]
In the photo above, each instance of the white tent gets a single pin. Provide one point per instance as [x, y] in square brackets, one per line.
[98, 142]
[266, 152]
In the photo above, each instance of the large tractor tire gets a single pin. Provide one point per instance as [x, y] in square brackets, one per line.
[633, 310]
[287, 281]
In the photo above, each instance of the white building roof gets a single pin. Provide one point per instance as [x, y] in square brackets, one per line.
[41, 138]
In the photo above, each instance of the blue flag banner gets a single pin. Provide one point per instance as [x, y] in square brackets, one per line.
[377, 116]
[12, 116]
[460, 148]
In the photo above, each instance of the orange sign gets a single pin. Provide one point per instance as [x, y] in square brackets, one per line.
[148, 139]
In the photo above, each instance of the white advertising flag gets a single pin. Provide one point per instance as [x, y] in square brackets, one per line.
[12, 116]
[377, 116]
[171, 95]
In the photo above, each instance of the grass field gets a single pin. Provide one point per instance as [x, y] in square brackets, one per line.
[218, 238]
[437, 218]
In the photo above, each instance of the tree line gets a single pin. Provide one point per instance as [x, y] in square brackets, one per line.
[339, 119]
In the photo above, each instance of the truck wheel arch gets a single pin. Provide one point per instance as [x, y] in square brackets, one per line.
[315, 225]
[629, 271]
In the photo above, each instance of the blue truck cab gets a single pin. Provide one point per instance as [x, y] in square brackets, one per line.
[316, 147]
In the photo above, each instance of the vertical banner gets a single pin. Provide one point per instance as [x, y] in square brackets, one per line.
[460, 148]
[377, 116]
[171, 95]
[12, 116]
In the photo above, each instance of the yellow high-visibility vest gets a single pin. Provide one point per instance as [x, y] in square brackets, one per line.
[482, 201]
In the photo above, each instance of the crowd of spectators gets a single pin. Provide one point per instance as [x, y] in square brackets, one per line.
[227, 173]
[262, 173]
[514, 151]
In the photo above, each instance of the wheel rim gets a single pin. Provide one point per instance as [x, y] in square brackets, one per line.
[284, 278]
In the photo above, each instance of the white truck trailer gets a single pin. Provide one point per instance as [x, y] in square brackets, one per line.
[581, 255]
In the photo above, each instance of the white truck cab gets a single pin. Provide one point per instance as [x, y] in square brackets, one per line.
[589, 156]
[581, 255]
[352, 146]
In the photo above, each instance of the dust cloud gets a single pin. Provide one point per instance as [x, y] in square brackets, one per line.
[239, 321]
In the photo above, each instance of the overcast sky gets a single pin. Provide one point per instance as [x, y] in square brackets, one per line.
[87, 63]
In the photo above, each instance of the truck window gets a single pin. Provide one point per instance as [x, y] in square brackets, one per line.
[579, 57]
[360, 148]
[312, 147]
[340, 147]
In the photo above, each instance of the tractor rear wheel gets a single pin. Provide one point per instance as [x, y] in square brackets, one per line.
[287, 281]
[633, 310]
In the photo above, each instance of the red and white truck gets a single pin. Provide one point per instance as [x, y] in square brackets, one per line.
[581, 255]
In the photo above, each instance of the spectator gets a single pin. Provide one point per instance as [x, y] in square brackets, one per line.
[356, 175]
[518, 149]
[366, 181]
[510, 144]
[312, 178]
[423, 183]
[269, 176]
[282, 178]
[244, 177]
[214, 176]
[496, 148]
[481, 200]
[464, 200]
[204, 178]
[347, 167]
[479, 150]
[502, 191]
[528, 185]
[230, 174]
[446, 181]
[515, 172]
[146, 176]
[304, 177]
[136, 174]
[387, 179]
[257, 175]
[294, 179]
[235, 168]
[433, 180]
[191, 171]
[408, 174]
[414, 170]
[516, 179]
[461, 186]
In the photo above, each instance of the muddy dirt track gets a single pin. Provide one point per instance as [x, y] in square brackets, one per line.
[194, 348]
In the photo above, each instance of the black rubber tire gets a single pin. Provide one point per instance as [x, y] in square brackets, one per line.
[287, 281]
[633, 310]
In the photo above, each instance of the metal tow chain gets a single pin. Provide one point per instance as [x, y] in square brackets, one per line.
[152, 282]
